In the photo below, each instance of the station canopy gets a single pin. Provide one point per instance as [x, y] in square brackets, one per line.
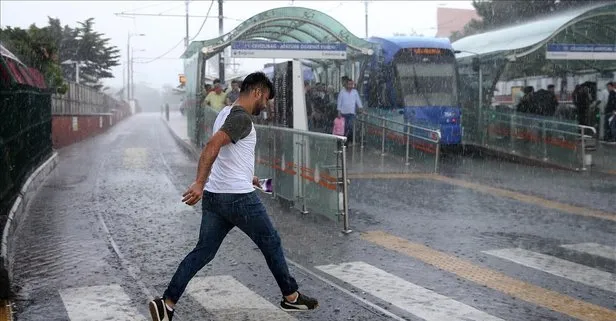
[593, 24]
[286, 24]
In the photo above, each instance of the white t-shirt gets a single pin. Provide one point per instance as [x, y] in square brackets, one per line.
[233, 169]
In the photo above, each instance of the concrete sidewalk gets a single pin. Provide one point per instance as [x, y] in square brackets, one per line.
[178, 127]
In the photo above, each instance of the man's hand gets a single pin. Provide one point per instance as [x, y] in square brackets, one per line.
[193, 194]
[255, 182]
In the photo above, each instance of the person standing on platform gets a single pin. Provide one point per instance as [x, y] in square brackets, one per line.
[349, 103]
[233, 93]
[216, 98]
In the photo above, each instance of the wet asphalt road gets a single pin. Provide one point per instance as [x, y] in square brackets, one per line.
[111, 217]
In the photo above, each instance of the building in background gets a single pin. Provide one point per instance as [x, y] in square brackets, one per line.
[449, 20]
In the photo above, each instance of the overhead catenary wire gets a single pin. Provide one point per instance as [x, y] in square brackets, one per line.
[163, 55]
[181, 41]
[204, 20]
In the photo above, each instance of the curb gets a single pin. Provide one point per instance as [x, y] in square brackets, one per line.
[188, 147]
[16, 217]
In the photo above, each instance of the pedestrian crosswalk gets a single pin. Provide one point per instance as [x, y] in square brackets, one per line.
[559, 267]
[98, 303]
[226, 298]
[415, 299]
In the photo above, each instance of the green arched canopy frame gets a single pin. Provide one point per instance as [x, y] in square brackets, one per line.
[287, 24]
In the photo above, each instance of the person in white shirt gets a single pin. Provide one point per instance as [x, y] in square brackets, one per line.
[226, 181]
[348, 104]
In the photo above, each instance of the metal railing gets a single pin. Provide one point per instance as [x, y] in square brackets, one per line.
[25, 139]
[561, 143]
[307, 168]
[413, 135]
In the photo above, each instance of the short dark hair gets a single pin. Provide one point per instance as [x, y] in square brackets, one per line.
[216, 81]
[551, 86]
[611, 83]
[257, 80]
[235, 81]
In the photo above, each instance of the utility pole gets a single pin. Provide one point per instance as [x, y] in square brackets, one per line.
[221, 56]
[366, 13]
[124, 80]
[129, 65]
[132, 81]
[128, 70]
[187, 34]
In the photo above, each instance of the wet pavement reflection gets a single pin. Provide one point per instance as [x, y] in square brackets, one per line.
[108, 228]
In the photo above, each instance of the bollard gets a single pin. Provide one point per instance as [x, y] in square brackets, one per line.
[383, 139]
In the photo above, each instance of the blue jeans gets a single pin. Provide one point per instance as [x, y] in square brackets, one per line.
[222, 212]
[349, 120]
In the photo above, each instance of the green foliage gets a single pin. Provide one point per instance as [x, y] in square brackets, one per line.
[47, 47]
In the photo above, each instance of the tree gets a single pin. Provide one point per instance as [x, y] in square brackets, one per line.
[46, 48]
[88, 46]
[498, 13]
[36, 48]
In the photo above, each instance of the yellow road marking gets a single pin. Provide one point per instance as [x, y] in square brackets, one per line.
[5, 311]
[495, 280]
[529, 199]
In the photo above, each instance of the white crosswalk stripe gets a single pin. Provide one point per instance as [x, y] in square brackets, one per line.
[228, 299]
[559, 267]
[415, 299]
[601, 250]
[98, 303]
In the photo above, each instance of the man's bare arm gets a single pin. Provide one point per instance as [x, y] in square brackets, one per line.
[209, 154]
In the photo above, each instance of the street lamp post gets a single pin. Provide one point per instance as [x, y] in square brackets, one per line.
[77, 65]
[132, 70]
[129, 72]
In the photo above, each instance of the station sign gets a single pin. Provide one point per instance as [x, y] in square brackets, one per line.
[581, 52]
[288, 50]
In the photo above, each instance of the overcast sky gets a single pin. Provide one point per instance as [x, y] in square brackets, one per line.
[163, 33]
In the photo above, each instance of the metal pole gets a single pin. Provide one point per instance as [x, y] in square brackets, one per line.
[366, 12]
[124, 79]
[345, 193]
[355, 130]
[304, 163]
[480, 106]
[273, 138]
[363, 132]
[408, 138]
[128, 68]
[221, 57]
[77, 71]
[544, 138]
[132, 79]
[438, 153]
[383, 139]
[512, 132]
[187, 34]
[583, 150]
